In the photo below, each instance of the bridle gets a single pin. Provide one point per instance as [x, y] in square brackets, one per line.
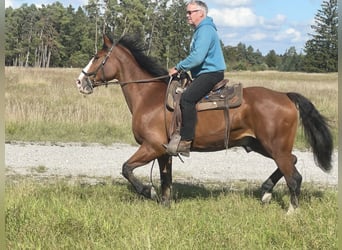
[91, 83]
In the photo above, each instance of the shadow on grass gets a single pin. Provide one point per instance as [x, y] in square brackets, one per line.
[88, 188]
[280, 195]
[185, 191]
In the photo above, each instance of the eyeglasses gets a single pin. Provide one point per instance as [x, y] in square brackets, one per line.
[189, 12]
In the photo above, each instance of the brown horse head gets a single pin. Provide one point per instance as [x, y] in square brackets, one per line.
[124, 61]
[97, 70]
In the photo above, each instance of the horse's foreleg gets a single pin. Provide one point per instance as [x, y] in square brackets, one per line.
[165, 166]
[140, 188]
[143, 156]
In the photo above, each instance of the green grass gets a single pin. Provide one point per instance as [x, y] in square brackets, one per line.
[57, 215]
[44, 104]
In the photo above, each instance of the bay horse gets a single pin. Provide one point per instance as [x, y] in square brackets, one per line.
[266, 122]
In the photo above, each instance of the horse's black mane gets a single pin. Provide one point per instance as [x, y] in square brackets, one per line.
[136, 47]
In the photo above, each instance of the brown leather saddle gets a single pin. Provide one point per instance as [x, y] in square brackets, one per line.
[221, 96]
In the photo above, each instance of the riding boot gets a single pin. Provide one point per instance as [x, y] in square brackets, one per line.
[176, 145]
[184, 148]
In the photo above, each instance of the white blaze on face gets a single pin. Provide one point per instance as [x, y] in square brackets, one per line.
[82, 75]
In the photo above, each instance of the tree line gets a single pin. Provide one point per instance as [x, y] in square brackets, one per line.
[57, 36]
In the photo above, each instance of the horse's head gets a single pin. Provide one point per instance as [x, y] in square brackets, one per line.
[99, 69]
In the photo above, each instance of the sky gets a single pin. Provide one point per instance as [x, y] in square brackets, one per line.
[264, 24]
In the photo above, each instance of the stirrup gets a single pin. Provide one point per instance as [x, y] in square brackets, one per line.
[172, 146]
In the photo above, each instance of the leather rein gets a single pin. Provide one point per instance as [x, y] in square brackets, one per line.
[106, 83]
[92, 84]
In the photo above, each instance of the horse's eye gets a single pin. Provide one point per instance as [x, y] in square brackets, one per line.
[95, 57]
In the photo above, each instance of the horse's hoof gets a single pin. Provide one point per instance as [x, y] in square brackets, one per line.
[266, 198]
[166, 203]
[154, 195]
[292, 210]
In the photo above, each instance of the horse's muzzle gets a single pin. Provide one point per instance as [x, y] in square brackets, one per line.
[85, 86]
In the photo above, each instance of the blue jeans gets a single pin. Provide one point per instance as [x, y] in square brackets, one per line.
[198, 89]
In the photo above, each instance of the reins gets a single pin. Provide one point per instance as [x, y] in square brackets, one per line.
[106, 83]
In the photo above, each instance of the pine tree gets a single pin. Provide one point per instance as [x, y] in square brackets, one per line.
[321, 51]
[271, 59]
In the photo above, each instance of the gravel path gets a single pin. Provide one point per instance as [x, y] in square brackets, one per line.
[93, 161]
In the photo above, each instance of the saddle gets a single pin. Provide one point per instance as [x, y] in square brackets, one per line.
[221, 96]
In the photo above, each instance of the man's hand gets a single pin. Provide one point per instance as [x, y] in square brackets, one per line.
[173, 71]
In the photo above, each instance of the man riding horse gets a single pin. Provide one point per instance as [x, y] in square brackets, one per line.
[207, 65]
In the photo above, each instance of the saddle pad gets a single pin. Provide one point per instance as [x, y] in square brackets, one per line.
[227, 97]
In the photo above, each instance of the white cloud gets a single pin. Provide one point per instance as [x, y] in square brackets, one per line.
[289, 34]
[232, 3]
[236, 17]
[275, 23]
[257, 36]
[229, 36]
[280, 18]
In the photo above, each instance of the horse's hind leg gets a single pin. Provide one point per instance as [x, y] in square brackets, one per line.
[294, 183]
[165, 166]
[292, 177]
[268, 185]
[251, 144]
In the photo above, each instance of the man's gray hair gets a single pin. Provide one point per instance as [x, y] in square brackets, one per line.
[201, 4]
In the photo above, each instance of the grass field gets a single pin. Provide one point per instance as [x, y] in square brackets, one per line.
[44, 105]
[57, 215]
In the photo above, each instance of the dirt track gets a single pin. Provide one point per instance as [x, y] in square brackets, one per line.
[74, 160]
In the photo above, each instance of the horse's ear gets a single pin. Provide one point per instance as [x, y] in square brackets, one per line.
[107, 40]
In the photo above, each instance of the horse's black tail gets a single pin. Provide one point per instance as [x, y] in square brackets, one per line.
[316, 130]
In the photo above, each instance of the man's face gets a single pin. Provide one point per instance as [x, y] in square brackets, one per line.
[194, 14]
